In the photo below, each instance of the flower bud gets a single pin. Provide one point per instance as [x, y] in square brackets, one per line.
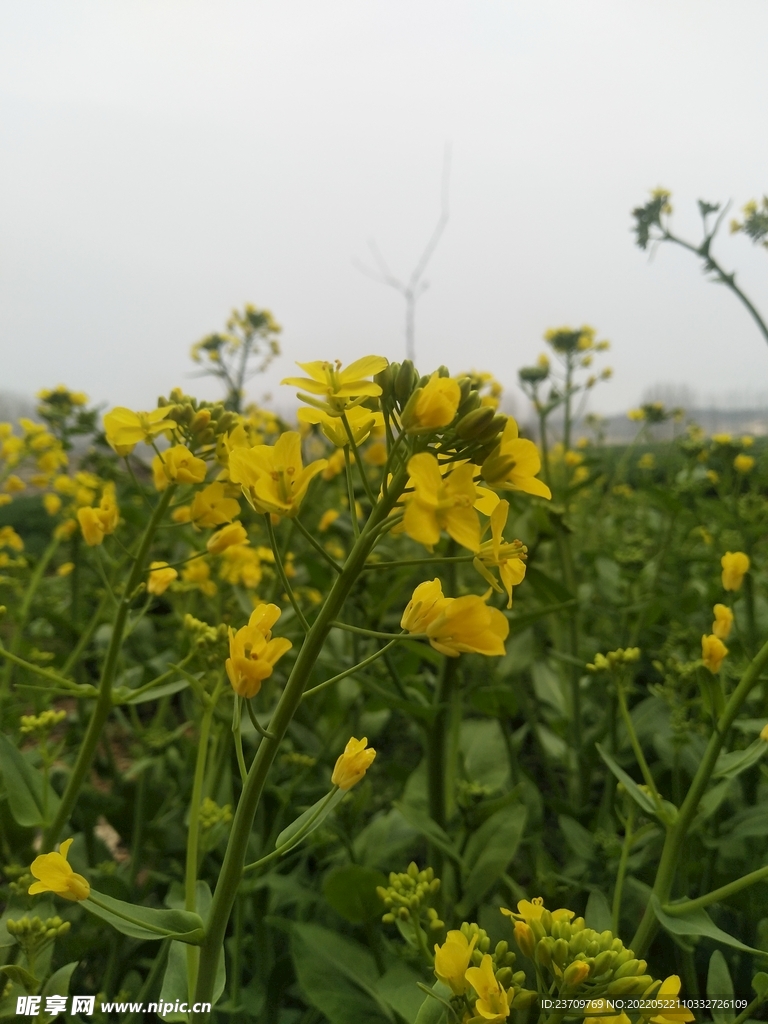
[405, 382]
[560, 952]
[575, 973]
[603, 962]
[524, 938]
[474, 423]
[543, 953]
[629, 986]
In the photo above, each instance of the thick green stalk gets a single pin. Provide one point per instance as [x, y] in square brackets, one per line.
[234, 858]
[104, 699]
[676, 835]
[26, 605]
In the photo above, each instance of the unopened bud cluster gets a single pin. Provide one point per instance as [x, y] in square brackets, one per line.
[43, 723]
[613, 659]
[32, 933]
[409, 894]
[211, 814]
[577, 957]
[201, 423]
[211, 641]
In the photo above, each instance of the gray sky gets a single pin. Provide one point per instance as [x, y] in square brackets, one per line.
[166, 160]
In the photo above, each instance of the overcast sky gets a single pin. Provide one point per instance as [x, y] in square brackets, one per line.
[164, 161]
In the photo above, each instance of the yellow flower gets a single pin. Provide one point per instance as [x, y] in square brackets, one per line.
[670, 990]
[14, 484]
[647, 461]
[425, 605]
[636, 415]
[327, 519]
[177, 465]
[198, 574]
[273, 477]
[514, 463]
[496, 552]
[65, 568]
[161, 576]
[764, 733]
[51, 503]
[352, 765]
[713, 650]
[575, 973]
[55, 874]
[452, 960]
[743, 463]
[455, 625]
[722, 438]
[492, 1002]
[747, 441]
[432, 406]
[253, 651]
[124, 429]
[212, 507]
[375, 454]
[182, 514]
[92, 525]
[531, 910]
[598, 1006]
[721, 627]
[65, 529]
[735, 565]
[231, 535]
[241, 564]
[337, 389]
[441, 503]
[360, 419]
[10, 539]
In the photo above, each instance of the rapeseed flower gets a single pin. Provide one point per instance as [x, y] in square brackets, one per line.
[492, 1002]
[55, 874]
[198, 574]
[352, 765]
[213, 507]
[455, 625]
[97, 523]
[721, 627]
[743, 463]
[713, 650]
[177, 465]
[327, 519]
[362, 421]
[667, 993]
[514, 463]
[273, 477]
[735, 566]
[441, 503]
[497, 553]
[432, 406]
[228, 537]
[335, 390]
[253, 652]
[241, 564]
[10, 539]
[161, 576]
[125, 429]
[452, 960]
[532, 910]
[51, 503]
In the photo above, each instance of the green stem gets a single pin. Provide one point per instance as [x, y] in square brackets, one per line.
[618, 889]
[317, 545]
[24, 610]
[723, 893]
[158, 965]
[638, 750]
[231, 869]
[376, 634]
[418, 561]
[676, 835]
[361, 468]
[282, 575]
[44, 673]
[193, 835]
[237, 736]
[349, 671]
[351, 494]
[85, 636]
[104, 700]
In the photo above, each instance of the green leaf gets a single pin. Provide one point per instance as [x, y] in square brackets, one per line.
[719, 986]
[422, 822]
[580, 840]
[710, 802]
[25, 788]
[399, 988]
[486, 758]
[288, 833]
[547, 587]
[175, 980]
[489, 852]
[163, 690]
[146, 922]
[337, 976]
[432, 1010]
[641, 798]
[730, 765]
[701, 924]
[57, 985]
[20, 976]
[598, 912]
[351, 891]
